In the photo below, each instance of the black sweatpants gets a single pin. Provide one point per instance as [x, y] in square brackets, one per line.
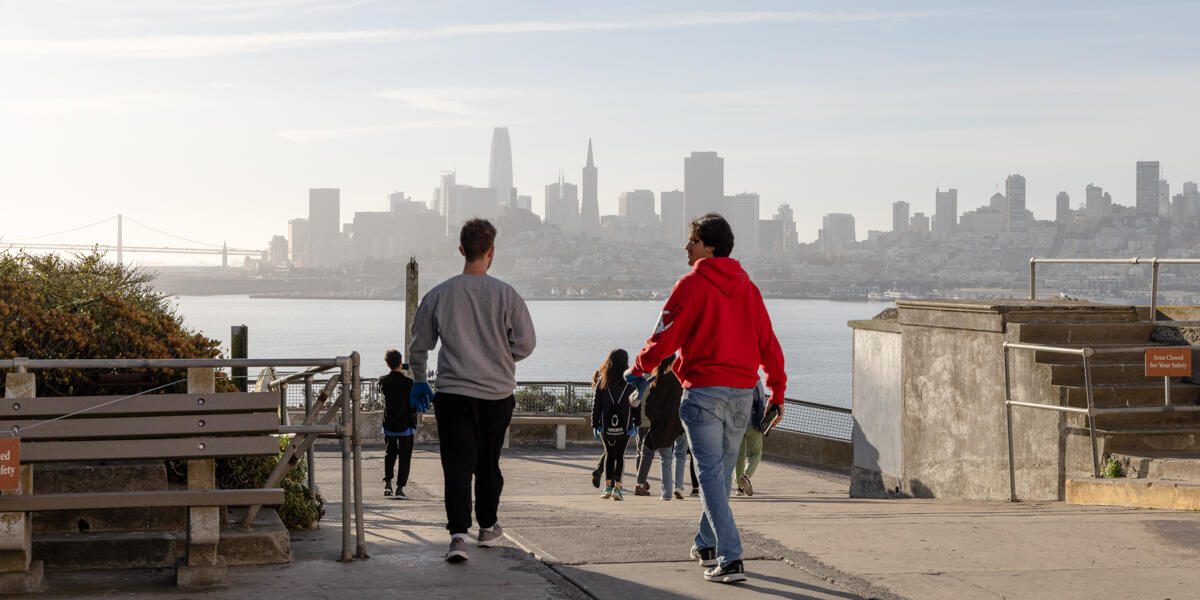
[614, 456]
[398, 447]
[470, 436]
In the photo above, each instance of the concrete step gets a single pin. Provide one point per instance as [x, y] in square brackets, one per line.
[1080, 333]
[1117, 372]
[1172, 421]
[1174, 466]
[117, 476]
[1132, 394]
[1132, 352]
[1139, 493]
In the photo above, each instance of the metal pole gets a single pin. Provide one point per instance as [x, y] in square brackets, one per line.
[238, 344]
[1032, 281]
[1167, 392]
[410, 300]
[1012, 471]
[360, 550]
[1087, 380]
[1154, 291]
[347, 460]
[309, 456]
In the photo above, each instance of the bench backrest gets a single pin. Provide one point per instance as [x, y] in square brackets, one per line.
[152, 426]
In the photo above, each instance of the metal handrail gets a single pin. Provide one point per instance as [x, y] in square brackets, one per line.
[1154, 262]
[1085, 353]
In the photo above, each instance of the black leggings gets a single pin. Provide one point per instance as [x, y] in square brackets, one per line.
[614, 456]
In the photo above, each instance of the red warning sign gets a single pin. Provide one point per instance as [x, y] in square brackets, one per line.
[10, 463]
[1168, 362]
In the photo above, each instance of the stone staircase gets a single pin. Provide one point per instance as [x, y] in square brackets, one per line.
[1160, 452]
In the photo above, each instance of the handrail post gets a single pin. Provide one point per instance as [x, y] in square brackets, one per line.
[1154, 291]
[1032, 281]
[347, 458]
[1012, 471]
[1087, 381]
[360, 550]
[310, 454]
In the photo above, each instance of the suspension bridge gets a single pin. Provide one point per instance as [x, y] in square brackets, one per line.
[120, 248]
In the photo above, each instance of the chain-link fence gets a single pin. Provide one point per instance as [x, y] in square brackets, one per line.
[818, 419]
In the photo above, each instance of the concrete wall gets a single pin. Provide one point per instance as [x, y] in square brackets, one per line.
[877, 404]
[810, 450]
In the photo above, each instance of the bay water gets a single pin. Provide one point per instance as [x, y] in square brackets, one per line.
[574, 336]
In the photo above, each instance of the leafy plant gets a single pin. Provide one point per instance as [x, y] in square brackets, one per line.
[1112, 469]
[301, 508]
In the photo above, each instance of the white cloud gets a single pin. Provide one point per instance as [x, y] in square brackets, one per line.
[308, 136]
[196, 46]
[462, 101]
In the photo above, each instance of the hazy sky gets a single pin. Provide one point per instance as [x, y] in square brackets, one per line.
[212, 119]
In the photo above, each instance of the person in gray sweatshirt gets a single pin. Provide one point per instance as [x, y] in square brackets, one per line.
[484, 328]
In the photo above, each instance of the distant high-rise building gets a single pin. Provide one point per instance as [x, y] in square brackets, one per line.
[589, 208]
[1179, 209]
[670, 207]
[463, 202]
[1062, 207]
[1147, 187]
[704, 185]
[998, 202]
[836, 232]
[1014, 193]
[899, 217]
[500, 169]
[324, 226]
[745, 215]
[298, 242]
[638, 205]
[1192, 194]
[562, 205]
[1097, 204]
[785, 215]
[277, 251]
[919, 223]
[525, 202]
[1164, 198]
[946, 211]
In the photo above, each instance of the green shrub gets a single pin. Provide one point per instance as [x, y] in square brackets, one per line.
[301, 508]
[1112, 469]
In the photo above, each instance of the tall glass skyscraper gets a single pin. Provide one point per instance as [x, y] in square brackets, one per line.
[500, 169]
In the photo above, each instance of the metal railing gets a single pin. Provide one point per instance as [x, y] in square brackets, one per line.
[1154, 262]
[817, 419]
[1085, 353]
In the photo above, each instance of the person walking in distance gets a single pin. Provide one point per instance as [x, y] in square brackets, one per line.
[614, 419]
[399, 424]
[484, 328]
[751, 449]
[666, 431]
[716, 321]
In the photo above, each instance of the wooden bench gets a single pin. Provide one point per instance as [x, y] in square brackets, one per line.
[560, 423]
[198, 426]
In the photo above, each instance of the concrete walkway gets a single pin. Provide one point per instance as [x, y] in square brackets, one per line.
[803, 539]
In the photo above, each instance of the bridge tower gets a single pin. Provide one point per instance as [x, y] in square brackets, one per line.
[224, 255]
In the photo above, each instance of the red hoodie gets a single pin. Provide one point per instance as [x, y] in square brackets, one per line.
[716, 320]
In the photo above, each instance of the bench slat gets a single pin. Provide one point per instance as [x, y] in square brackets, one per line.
[149, 404]
[194, 447]
[159, 426]
[97, 500]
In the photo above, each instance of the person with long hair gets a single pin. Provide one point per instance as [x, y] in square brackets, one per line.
[614, 419]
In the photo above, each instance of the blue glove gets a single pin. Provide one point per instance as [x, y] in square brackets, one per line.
[630, 378]
[596, 433]
[632, 432]
[420, 397]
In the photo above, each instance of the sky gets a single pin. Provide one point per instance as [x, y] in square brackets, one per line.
[210, 120]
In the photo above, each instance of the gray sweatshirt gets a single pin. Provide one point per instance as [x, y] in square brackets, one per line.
[484, 327]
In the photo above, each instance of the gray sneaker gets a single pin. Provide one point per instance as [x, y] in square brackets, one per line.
[490, 537]
[458, 551]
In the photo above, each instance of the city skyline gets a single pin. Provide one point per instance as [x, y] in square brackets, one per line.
[191, 114]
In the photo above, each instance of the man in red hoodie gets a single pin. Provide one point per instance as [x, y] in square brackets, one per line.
[716, 321]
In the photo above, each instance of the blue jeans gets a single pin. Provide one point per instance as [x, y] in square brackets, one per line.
[715, 419]
[679, 453]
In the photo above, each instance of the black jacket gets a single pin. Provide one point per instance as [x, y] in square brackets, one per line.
[611, 409]
[662, 408]
[397, 416]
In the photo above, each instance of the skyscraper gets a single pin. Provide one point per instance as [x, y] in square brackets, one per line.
[900, 217]
[919, 223]
[1014, 192]
[562, 205]
[745, 224]
[674, 225]
[1192, 194]
[1164, 198]
[589, 209]
[500, 169]
[784, 214]
[638, 205]
[946, 211]
[298, 242]
[324, 226]
[1147, 187]
[704, 185]
[1062, 207]
[836, 232]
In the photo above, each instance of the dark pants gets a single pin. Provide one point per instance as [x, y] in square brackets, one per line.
[645, 457]
[614, 456]
[692, 468]
[398, 447]
[470, 436]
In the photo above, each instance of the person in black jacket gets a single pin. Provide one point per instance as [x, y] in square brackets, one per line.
[399, 423]
[614, 419]
[666, 435]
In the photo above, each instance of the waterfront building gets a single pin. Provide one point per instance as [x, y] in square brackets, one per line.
[704, 185]
[945, 211]
[673, 223]
[1147, 187]
[589, 208]
[745, 224]
[1014, 193]
[1062, 208]
[298, 242]
[562, 205]
[500, 169]
[324, 226]
[837, 232]
[900, 216]
[277, 251]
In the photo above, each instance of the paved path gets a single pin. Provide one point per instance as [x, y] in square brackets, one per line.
[803, 537]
